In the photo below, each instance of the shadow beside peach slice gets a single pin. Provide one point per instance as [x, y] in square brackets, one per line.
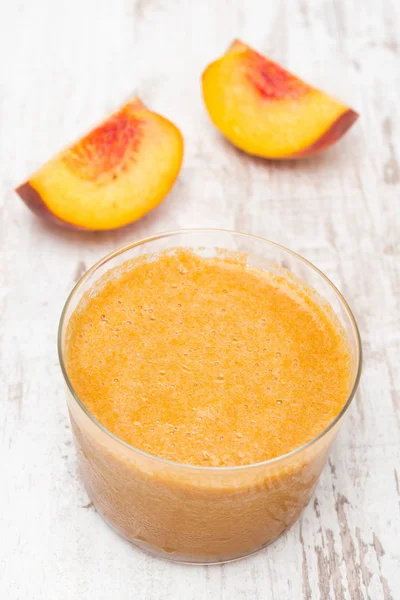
[266, 111]
[111, 177]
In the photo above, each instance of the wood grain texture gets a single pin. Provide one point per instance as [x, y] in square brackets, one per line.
[65, 65]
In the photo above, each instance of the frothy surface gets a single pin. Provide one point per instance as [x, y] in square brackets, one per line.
[207, 362]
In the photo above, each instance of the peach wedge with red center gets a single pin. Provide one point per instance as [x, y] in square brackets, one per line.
[112, 176]
[266, 111]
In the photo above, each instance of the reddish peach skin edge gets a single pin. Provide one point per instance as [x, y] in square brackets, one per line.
[33, 201]
[331, 135]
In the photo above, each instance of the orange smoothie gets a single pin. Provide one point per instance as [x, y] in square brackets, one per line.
[203, 362]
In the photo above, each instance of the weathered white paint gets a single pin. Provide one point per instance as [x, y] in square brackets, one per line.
[66, 64]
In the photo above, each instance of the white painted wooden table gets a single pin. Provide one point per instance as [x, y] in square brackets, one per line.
[63, 66]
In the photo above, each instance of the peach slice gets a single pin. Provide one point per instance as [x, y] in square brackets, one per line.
[112, 176]
[266, 111]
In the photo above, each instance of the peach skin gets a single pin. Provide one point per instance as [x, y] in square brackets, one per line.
[266, 111]
[111, 177]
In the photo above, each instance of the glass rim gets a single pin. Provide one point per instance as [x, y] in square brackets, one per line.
[166, 461]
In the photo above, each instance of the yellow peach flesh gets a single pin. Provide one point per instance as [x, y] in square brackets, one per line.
[266, 111]
[112, 176]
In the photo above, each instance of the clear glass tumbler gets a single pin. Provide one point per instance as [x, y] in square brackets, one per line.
[189, 513]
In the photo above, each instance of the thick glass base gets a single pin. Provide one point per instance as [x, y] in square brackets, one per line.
[183, 559]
